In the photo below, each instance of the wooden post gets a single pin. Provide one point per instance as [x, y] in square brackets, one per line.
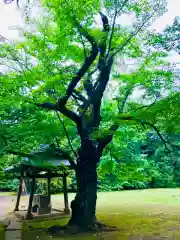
[18, 195]
[49, 190]
[29, 214]
[66, 204]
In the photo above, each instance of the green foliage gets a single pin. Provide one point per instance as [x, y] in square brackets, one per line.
[40, 67]
[169, 39]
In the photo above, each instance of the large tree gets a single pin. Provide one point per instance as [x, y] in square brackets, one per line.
[65, 66]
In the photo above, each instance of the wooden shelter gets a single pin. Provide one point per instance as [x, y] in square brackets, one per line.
[52, 165]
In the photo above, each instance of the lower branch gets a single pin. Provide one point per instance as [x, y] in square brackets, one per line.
[61, 108]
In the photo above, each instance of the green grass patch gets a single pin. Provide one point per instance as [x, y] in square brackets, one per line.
[2, 232]
[4, 194]
[44, 224]
[139, 215]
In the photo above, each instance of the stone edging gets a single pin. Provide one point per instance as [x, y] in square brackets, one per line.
[14, 228]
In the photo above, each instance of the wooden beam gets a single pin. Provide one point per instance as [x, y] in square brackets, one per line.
[49, 189]
[18, 195]
[45, 176]
[66, 203]
[29, 214]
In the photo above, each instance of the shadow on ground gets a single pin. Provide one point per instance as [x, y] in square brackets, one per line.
[139, 215]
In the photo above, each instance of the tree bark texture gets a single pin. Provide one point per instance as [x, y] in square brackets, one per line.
[84, 205]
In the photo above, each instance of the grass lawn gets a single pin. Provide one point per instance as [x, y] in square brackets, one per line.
[139, 215]
[2, 232]
[4, 194]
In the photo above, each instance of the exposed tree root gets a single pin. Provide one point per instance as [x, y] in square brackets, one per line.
[75, 229]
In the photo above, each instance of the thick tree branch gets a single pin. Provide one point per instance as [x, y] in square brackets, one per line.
[103, 42]
[85, 67]
[46, 105]
[68, 113]
[79, 96]
[88, 86]
[98, 92]
[102, 81]
[87, 63]
[84, 47]
[105, 22]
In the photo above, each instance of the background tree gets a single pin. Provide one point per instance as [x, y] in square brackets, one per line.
[169, 39]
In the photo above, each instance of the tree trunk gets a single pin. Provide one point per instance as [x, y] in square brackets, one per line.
[84, 205]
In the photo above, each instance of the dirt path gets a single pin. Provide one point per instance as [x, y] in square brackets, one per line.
[6, 205]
